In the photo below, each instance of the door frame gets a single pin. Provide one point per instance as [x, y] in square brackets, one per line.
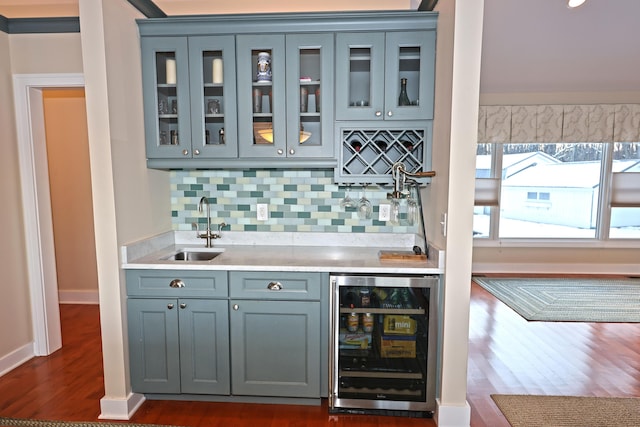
[36, 204]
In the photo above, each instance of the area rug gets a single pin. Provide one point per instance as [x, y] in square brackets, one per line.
[22, 422]
[568, 411]
[568, 299]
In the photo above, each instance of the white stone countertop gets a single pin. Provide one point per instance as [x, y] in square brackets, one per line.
[313, 252]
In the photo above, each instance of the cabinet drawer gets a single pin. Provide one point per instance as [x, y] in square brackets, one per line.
[276, 285]
[177, 283]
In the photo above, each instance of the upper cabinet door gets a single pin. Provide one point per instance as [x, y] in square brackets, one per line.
[212, 68]
[360, 76]
[410, 58]
[166, 97]
[309, 95]
[374, 68]
[261, 95]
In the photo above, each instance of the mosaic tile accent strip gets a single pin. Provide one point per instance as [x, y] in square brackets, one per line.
[298, 200]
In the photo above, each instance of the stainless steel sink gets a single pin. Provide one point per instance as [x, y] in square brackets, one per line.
[194, 255]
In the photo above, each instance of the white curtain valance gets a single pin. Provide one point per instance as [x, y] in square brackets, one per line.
[559, 123]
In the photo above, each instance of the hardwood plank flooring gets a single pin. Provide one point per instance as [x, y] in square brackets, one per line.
[506, 355]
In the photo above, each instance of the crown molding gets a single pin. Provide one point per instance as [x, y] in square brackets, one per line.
[69, 24]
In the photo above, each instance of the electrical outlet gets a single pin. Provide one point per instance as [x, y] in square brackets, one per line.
[384, 212]
[262, 210]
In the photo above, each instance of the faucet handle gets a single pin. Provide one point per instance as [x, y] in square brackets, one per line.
[221, 225]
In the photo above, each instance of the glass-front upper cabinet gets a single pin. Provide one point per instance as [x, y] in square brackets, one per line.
[385, 76]
[213, 105]
[166, 96]
[283, 111]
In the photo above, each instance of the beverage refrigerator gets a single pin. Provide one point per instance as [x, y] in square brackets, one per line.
[384, 342]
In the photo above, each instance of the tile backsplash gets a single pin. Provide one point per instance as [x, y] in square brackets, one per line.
[298, 200]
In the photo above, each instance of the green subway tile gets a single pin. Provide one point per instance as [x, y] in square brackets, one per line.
[337, 222]
[290, 187]
[196, 187]
[249, 174]
[250, 227]
[303, 214]
[244, 208]
[174, 214]
[324, 208]
[290, 201]
[190, 194]
[276, 214]
[256, 194]
[358, 229]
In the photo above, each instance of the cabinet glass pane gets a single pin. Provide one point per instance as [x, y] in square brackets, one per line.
[213, 80]
[262, 97]
[310, 88]
[409, 72]
[167, 96]
[359, 77]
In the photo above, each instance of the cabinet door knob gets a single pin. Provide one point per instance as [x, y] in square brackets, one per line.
[292, 151]
[170, 306]
[183, 305]
[389, 113]
[274, 286]
[280, 151]
[236, 307]
[185, 152]
[176, 283]
[378, 113]
[196, 152]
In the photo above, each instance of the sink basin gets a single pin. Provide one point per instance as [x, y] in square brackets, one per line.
[194, 255]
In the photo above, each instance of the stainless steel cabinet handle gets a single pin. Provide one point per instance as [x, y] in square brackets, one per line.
[389, 113]
[183, 305]
[185, 152]
[170, 306]
[176, 283]
[274, 286]
[196, 151]
[236, 307]
[280, 151]
[378, 113]
[292, 151]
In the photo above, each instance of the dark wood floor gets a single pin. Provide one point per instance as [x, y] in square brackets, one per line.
[507, 355]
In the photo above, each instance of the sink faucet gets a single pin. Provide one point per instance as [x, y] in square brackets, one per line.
[208, 234]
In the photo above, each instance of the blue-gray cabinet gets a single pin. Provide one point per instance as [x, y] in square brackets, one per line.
[222, 333]
[276, 333]
[178, 325]
[189, 97]
[290, 115]
[370, 68]
[179, 345]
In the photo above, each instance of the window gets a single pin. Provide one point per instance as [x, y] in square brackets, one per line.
[558, 191]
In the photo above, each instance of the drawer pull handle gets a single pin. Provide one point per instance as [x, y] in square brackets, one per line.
[176, 283]
[183, 305]
[170, 306]
[236, 307]
[274, 286]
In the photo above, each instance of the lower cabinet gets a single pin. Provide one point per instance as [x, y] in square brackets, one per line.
[266, 337]
[179, 345]
[276, 348]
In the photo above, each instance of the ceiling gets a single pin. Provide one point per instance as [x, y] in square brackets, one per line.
[528, 45]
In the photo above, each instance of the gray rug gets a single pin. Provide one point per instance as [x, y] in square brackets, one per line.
[568, 300]
[22, 422]
[568, 411]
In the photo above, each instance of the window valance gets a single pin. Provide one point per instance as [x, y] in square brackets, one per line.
[559, 123]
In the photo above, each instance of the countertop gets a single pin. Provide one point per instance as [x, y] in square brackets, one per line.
[312, 252]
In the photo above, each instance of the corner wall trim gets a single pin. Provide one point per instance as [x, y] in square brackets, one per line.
[4, 24]
[120, 409]
[453, 416]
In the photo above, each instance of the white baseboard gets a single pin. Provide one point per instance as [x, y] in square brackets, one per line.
[621, 269]
[78, 297]
[16, 358]
[452, 416]
[120, 409]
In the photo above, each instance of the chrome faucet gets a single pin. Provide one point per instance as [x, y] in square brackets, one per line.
[208, 234]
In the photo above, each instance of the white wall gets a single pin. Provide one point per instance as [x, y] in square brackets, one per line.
[15, 317]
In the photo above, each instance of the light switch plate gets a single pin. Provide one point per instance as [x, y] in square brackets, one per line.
[262, 210]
